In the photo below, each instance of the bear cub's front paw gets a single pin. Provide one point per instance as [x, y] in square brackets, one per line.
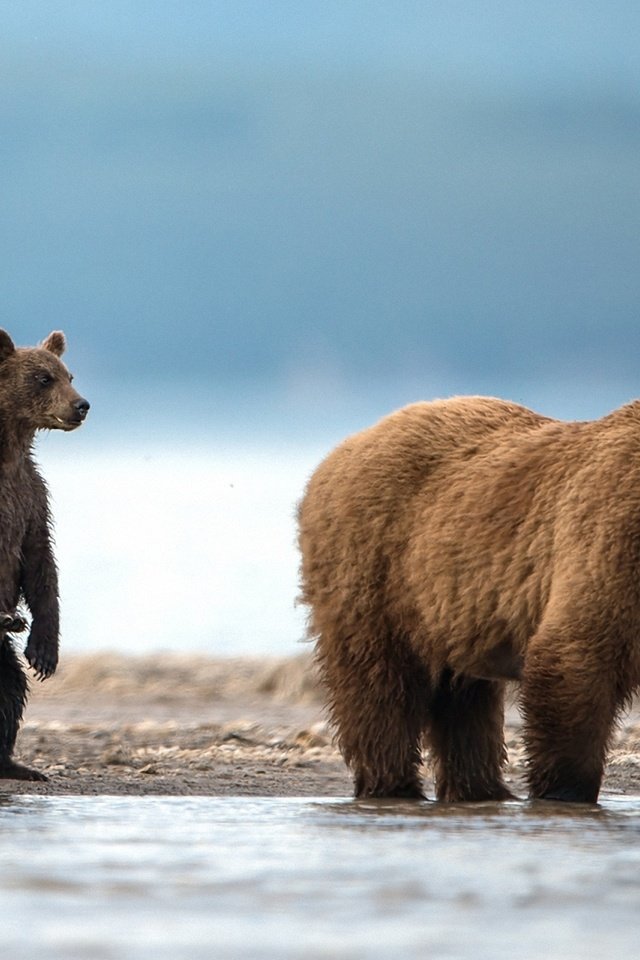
[42, 657]
[12, 623]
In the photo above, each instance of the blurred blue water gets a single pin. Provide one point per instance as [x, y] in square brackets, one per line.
[351, 191]
[183, 549]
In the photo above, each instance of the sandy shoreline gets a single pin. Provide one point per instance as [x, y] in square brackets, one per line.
[178, 724]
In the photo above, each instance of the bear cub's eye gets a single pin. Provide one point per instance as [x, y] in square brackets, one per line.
[44, 379]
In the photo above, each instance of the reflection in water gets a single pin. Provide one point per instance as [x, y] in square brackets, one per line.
[120, 878]
[522, 817]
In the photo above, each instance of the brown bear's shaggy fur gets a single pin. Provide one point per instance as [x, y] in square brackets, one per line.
[460, 544]
[35, 394]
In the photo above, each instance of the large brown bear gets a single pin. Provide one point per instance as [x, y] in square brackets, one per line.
[460, 544]
[35, 394]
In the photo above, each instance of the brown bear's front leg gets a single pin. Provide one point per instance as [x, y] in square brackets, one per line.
[466, 740]
[569, 708]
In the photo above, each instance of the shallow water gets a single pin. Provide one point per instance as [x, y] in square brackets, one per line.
[116, 878]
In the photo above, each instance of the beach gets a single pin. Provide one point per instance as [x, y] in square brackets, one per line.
[179, 725]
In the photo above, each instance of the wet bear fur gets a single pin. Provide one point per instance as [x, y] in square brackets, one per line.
[35, 394]
[460, 544]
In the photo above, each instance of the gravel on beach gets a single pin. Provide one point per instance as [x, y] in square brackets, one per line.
[172, 724]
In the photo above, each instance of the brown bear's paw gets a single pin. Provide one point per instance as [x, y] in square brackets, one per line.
[400, 791]
[10, 770]
[12, 623]
[576, 793]
[474, 794]
[42, 658]
[568, 783]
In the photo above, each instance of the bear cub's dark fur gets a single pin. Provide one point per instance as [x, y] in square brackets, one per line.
[35, 394]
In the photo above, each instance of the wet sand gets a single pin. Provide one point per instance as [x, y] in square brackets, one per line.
[186, 725]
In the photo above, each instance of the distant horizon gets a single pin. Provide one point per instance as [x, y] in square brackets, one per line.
[154, 415]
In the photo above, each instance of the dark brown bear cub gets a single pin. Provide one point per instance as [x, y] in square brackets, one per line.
[460, 544]
[35, 394]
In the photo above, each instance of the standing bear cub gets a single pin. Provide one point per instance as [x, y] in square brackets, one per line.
[35, 394]
[460, 544]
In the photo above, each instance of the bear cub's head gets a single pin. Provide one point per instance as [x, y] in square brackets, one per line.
[35, 386]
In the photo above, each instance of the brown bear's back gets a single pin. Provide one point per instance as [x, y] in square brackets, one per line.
[448, 521]
[360, 501]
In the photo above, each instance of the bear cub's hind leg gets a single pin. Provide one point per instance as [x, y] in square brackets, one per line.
[13, 694]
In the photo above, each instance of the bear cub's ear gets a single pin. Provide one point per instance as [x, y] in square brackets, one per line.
[55, 343]
[6, 345]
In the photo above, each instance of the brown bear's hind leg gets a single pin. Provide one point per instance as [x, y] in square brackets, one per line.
[377, 702]
[466, 740]
[13, 695]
